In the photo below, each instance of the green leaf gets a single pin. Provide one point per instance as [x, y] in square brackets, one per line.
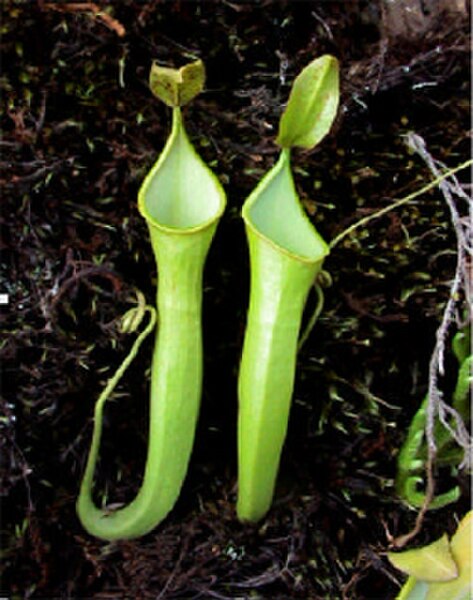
[413, 590]
[461, 587]
[430, 563]
[176, 87]
[461, 344]
[312, 105]
[417, 587]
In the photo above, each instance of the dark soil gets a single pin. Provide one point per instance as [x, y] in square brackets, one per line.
[80, 131]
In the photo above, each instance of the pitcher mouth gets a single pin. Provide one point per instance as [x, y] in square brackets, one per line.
[274, 213]
[180, 194]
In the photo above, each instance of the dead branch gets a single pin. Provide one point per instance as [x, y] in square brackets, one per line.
[98, 13]
[461, 287]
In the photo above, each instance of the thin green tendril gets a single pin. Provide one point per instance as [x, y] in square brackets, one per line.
[130, 322]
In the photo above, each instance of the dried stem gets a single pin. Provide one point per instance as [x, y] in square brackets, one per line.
[461, 289]
[98, 13]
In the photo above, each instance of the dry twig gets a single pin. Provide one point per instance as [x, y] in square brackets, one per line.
[100, 14]
[461, 288]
